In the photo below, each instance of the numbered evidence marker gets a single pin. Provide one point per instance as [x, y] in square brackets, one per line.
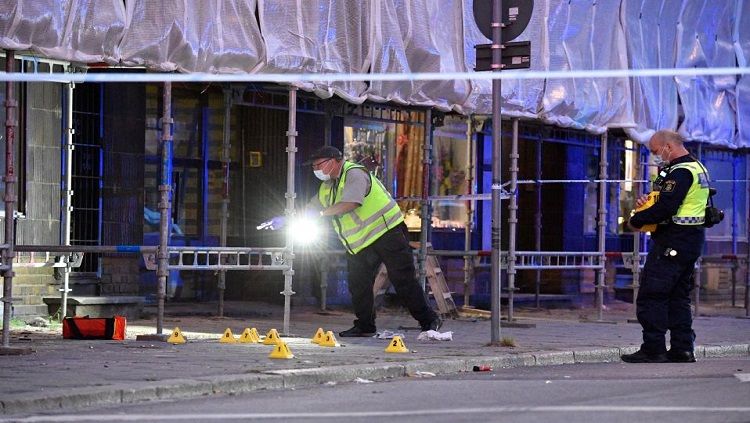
[396, 346]
[272, 337]
[248, 337]
[176, 337]
[280, 350]
[329, 340]
[227, 338]
[318, 337]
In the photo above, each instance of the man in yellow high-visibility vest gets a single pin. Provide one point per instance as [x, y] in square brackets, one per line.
[663, 302]
[371, 227]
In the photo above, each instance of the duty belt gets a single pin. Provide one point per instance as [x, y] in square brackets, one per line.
[688, 220]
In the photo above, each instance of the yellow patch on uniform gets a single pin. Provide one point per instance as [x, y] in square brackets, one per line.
[669, 186]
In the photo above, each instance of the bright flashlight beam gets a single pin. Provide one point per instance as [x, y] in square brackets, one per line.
[304, 231]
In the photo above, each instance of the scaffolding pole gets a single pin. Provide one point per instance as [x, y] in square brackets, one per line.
[538, 219]
[495, 282]
[747, 258]
[512, 220]
[68, 192]
[290, 195]
[735, 228]
[10, 197]
[426, 213]
[601, 227]
[165, 206]
[225, 151]
[747, 270]
[469, 208]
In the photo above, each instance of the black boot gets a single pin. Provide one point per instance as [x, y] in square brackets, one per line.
[356, 332]
[675, 356]
[641, 356]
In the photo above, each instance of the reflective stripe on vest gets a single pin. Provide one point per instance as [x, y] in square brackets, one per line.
[692, 211]
[362, 226]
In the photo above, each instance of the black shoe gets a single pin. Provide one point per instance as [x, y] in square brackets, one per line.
[675, 356]
[642, 357]
[435, 325]
[356, 332]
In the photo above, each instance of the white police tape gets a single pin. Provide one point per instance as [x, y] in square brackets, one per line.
[291, 78]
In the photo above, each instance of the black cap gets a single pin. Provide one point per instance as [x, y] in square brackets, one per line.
[325, 152]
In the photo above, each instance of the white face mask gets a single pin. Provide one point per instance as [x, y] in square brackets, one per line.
[321, 175]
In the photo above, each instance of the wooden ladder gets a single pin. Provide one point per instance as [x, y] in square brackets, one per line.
[436, 280]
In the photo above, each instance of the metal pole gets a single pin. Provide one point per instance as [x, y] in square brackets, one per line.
[323, 263]
[747, 243]
[495, 282]
[291, 151]
[747, 264]
[697, 283]
[225, 152]
[10, 197]
[538, 219]
[512, 220]
[68, 194]
[426, 214]
[601, 226]
[469, 208]
[735, 227]
[165, 206]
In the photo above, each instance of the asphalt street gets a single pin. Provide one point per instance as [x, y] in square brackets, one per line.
[712, 390]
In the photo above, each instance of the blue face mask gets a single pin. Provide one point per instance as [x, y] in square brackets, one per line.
[659, 160]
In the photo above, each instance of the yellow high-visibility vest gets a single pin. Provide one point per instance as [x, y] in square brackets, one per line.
[692, 211]
[362, 226]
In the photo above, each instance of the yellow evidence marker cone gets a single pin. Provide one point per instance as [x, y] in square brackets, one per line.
[176, 337]
[396, 346]
[248, 337]
[329, 340]
[280, 350]
[255, 334]
[272, 337]
[318, 337]
[227, 338]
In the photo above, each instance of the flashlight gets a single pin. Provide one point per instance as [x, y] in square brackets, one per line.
[304, 230]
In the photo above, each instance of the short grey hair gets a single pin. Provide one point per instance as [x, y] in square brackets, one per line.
[670, 137]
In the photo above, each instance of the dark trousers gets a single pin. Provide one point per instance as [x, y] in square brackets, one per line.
[392, 249]
[663, 301]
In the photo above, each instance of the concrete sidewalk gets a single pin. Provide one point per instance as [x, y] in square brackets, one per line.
[69, 374]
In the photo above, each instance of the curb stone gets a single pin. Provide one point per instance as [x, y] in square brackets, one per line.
[604, 355]
[554, 358]
[293, 378]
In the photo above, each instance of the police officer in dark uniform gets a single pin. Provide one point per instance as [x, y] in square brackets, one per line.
[663, 301]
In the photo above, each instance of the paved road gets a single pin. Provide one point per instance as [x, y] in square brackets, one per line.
[709, 391]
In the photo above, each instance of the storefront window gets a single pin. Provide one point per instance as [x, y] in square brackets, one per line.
[451, 163]
[369, 143]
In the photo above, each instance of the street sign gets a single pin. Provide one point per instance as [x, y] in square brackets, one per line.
[516, 55]
[516, 17]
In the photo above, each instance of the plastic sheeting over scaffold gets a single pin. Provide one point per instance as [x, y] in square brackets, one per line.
[355, 36]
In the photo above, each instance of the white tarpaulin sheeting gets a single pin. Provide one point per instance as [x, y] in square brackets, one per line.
[73, 30]
[586, 35]
[418, 36]
[318, 36]
[192, 36]
[704, 39]
[648, 23]
[353, 36]
[742, 45]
